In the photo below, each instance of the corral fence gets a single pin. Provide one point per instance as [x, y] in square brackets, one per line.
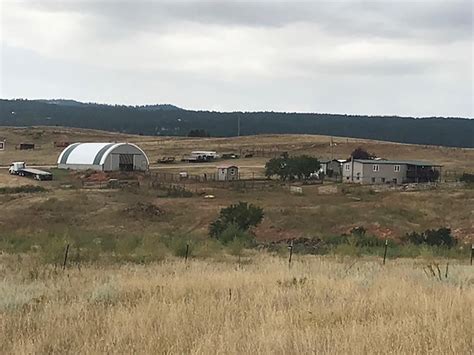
[261, 153]
[452, 176]
[109, 184]
[245, 181]
[202, 178]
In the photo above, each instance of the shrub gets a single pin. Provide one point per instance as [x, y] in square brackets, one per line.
[178, 191]
[233, 233]
[242, 215]
[177, 244]
[467, 178]
[432, 237]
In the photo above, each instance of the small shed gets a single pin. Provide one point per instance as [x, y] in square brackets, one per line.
[227, 173]
[61, 144]
[26, 146]
[2, 144]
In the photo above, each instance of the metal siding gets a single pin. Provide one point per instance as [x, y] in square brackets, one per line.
[66, 152]
[101, 153]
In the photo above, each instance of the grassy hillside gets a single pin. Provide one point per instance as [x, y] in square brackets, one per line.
[168, 120]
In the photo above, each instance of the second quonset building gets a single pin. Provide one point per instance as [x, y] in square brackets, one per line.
[103, 157]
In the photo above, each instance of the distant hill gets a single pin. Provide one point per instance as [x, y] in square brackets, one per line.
[173, 121]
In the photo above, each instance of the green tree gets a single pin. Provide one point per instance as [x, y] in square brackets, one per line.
[361, 153]
[242, 215]
[290, 168]
[277, 166]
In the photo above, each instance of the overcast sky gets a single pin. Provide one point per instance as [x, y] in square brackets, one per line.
[372, 57]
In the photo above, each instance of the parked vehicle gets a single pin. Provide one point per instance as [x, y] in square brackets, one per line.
[19, 168]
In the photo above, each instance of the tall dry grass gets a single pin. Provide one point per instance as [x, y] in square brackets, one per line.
[321, 305]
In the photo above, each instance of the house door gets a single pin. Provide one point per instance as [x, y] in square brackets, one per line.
[126, 162]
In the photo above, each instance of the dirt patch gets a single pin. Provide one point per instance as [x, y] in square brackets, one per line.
[144, 210]
[93, 176]
[266, 232]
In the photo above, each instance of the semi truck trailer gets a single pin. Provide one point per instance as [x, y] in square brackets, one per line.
[19, 168]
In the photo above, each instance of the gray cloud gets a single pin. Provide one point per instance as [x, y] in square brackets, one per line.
[449, 20]
[379, 57]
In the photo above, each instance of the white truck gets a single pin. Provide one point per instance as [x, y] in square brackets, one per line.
[19, 168]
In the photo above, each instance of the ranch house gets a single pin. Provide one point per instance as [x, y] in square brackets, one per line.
[367, 171]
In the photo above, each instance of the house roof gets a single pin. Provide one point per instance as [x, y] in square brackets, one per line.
[325, 161]
[396, 162]
[227, 166]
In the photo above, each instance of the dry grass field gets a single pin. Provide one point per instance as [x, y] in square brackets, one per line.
[321, 305]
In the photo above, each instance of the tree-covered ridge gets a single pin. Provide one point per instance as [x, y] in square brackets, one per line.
[455, 132]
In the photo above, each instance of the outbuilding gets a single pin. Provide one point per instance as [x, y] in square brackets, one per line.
[2, 144]
[103, 157]
[227, 173]
[332, 168]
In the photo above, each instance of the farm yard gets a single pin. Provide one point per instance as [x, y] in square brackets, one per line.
[142, 275]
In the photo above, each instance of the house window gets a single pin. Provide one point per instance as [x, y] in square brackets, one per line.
[396, 168]
[373, 180]
[375, 167]
[348, 166]
[383, 180]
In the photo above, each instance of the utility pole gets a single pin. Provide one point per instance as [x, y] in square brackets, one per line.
[332, 149]
[238, 126]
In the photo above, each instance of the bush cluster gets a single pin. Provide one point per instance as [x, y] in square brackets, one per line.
[434, 237]
[467, 178]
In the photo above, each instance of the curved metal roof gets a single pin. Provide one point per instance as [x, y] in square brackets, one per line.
[90, 153]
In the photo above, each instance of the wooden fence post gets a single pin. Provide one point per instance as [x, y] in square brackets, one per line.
[291, 254]
[385, 251]
[186, 255]
[472, 252]
[65, 256]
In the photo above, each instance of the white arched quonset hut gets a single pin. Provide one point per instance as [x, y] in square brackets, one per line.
[103, 157]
